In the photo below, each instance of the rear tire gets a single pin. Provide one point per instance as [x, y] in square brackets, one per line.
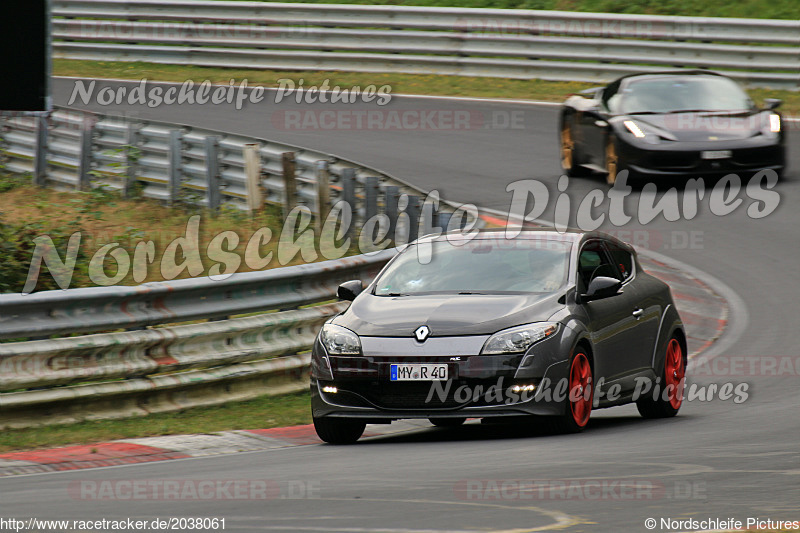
[569, 161]
[447, 422]
[578, 404]
[670, 396]
[339, 430]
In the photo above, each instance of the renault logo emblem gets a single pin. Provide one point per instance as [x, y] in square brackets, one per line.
[422, 333]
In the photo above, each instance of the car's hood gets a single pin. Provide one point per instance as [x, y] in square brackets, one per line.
[700, 127]
[445, 315]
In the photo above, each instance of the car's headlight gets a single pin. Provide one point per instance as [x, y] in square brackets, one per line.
[518, 339]
[339, 341]
[635, 129]
[774, 123]
[639, 133]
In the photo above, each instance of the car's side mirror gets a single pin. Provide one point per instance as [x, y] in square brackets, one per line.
[601, 287]
[592, 110]
[772, 103]
[350, 289]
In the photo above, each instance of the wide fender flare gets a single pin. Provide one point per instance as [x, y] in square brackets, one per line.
[671, 325]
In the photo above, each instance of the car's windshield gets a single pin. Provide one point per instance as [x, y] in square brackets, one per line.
[480, 266]
[682, 93]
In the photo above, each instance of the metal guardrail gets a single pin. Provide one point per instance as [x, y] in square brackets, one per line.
[474, 42]
[108, 308]
[74, 150]
[114, 374]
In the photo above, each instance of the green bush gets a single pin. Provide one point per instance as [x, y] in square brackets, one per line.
[16, 251]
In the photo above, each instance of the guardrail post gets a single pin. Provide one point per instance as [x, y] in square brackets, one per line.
[289, 183]
[413, 217]
[175, 160]
[323, 194]
[444, 220]
[40, 155]
[427, 216]
[392, 196]
[252, 172]
[131, 161]
[85, 161]
[212, 172]
[349, 195]
[371, 188]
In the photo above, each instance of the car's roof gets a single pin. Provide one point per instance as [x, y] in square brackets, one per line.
[670, 74]
[570, 235]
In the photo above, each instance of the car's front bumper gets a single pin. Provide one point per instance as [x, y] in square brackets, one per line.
[479, 386]
[747, 157]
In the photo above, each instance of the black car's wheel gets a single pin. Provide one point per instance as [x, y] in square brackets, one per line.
[447, 422]
[670, 395]
[339, 430]
[578, 403]
[613, 163]
[568, 152]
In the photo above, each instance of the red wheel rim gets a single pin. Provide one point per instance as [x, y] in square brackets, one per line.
[580, 389]
[674, 371]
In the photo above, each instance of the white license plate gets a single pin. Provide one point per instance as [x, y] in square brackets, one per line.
[417, 372]
[716, 154]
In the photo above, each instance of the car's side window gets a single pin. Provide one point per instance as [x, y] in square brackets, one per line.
[594, 261]
[623, 259]
[608, 95]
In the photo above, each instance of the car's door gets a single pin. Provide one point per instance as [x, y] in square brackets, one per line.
[649, 303]
[595, 125]
[612, 321]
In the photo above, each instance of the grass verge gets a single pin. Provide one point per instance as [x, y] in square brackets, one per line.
[777, 9]
[427, 84]
[103, 217]
[261, 413]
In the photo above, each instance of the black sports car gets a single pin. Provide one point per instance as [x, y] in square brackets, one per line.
[670, 123]
[459, 326]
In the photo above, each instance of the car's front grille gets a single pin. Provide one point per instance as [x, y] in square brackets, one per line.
[755, 157]
[674, 160]
[427, 395]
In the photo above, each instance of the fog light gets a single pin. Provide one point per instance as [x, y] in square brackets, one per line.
[330, 389]
[523, 388]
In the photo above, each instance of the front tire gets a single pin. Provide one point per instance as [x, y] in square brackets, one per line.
[578, 404]
[339, 430]
[613, 163]
[670, 397]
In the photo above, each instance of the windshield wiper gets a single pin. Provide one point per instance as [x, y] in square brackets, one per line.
[470, 292]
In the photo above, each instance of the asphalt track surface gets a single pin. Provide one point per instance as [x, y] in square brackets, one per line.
[716, 460]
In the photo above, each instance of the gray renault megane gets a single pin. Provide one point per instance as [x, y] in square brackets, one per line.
[545, 325]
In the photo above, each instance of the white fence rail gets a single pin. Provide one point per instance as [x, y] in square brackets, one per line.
[475, 42]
